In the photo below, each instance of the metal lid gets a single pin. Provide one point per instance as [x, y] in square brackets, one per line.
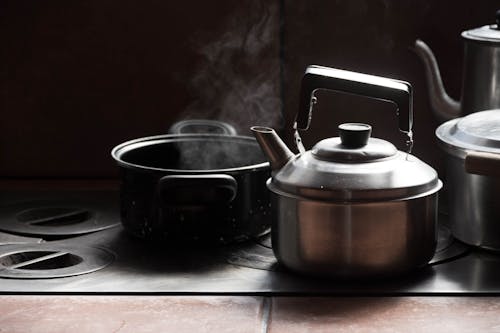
[353, 145]
[336, 171]
[478, 131]
[487, 33]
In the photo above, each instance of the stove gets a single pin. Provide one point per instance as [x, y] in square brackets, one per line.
[72, 242]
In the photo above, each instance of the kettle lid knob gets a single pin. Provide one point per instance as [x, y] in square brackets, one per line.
[354, 145]
[354, 135]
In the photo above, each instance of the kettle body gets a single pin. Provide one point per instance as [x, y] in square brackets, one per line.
[352, 207]
[481, 77]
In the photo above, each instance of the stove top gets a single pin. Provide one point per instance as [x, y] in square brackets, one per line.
[72, 242]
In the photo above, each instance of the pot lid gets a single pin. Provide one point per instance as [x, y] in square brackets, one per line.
[478, 131]
[487, 33]
[355, 167]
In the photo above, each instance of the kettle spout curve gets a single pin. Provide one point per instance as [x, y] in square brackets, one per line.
[273, 147]
[444, 107]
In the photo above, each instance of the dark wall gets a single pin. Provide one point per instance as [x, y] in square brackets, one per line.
[79, 77]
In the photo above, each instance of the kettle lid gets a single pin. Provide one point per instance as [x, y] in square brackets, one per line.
[354, 168]
[488, 33]
[354, 144]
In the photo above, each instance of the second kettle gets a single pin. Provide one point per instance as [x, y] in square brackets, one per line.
[481, 78]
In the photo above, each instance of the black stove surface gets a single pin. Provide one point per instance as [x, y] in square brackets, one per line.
[106, 260]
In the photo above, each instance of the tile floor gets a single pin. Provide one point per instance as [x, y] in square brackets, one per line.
[201, 314]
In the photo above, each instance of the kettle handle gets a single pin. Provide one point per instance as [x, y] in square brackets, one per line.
[318, 77]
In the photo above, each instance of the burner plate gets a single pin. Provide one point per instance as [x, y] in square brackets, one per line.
[56, 219]
[45, 261]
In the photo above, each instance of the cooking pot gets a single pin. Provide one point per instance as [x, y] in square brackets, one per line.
[353, 206]
[472, 147]
[481, 79]
[204, 188]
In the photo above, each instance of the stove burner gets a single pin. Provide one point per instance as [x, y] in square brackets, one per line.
[44, 261]
[260, 255]
[54, 216]
[38, 260]
[55, 219]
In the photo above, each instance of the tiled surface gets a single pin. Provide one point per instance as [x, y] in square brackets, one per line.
[221, 314]
[95, 314]
[385, 314]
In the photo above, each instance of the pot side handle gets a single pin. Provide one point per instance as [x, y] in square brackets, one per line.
[482, 163]
[197, 190]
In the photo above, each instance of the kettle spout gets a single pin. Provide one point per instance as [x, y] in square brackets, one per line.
[273, 147]
[444, 107]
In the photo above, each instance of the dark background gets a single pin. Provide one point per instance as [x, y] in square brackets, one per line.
[79, 77]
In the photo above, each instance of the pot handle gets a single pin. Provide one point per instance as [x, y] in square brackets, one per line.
[197, 190]
[203, 126]
[318, 77]
[482, 163]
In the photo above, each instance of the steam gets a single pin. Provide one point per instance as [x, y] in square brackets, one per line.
[237, 80]
[214, 153]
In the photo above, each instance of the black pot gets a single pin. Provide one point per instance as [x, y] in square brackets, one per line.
[194, 187]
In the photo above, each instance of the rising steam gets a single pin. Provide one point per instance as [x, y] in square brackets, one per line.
[238, 78]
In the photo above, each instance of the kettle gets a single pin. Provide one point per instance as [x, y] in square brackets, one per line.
[481, 79]
[353, 205]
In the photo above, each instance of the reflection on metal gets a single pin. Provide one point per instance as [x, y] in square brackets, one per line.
[447, 248]
[262, 257]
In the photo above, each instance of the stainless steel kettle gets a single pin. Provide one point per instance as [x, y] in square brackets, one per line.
[481, 79]
[353, 205]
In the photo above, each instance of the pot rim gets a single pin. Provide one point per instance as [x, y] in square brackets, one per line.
[119, 150]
